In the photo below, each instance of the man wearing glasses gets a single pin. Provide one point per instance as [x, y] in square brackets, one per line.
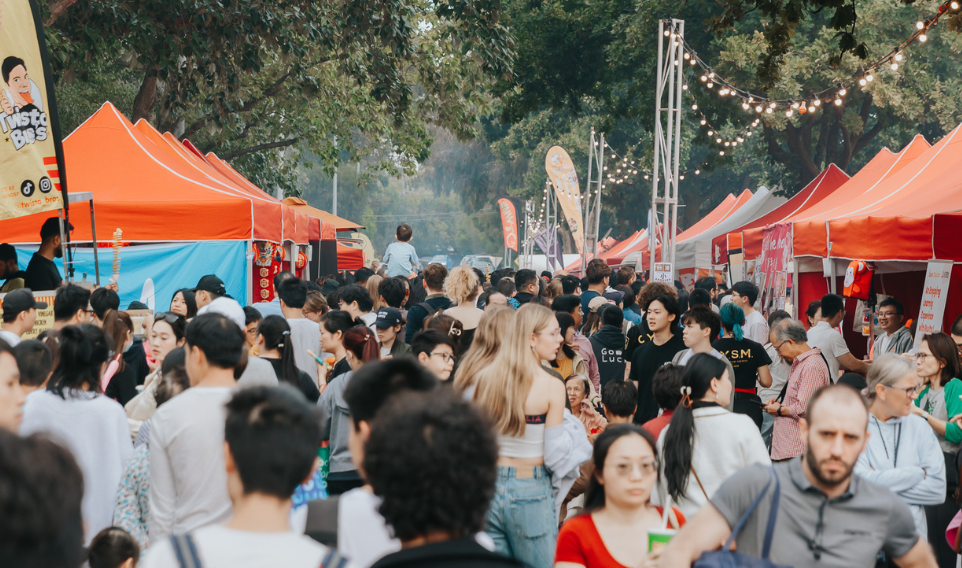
[435, 350]
[809, 372]
[895, 337]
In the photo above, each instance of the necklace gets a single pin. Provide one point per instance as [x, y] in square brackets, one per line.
[898, 439]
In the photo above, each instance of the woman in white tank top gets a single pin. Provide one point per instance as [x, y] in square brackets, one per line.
[522, 400]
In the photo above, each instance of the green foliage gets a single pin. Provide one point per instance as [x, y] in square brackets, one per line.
[281, 77]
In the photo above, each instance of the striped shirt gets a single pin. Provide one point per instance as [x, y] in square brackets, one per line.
[808, 374]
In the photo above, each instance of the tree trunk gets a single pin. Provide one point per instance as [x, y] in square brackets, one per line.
[146, 98]
[58, 7]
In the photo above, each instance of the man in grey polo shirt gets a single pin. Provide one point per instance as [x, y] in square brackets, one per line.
[827, 516]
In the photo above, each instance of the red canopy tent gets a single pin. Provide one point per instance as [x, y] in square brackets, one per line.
[748, 237]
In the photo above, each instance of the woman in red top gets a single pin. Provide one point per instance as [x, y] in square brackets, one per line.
[613, 533]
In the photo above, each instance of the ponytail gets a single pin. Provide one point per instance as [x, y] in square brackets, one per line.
[277, 336]
[360, 341]
[733, 318]
[680, 437]
[83, 351]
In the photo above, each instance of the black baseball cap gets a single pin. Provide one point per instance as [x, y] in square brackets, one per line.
[51, 228]
[388, 317]
[211, 283]
[20, 300]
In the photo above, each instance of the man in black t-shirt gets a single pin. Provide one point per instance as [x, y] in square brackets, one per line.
[42, 273]
[666, 341]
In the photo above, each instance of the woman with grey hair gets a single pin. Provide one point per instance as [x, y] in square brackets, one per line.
[902, 452]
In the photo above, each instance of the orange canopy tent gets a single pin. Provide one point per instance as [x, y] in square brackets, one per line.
[810, 235]
[608, 246]
[748, 237]
[348, 258]
[140, 188]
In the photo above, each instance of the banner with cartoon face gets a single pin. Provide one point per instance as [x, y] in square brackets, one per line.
[31, 158]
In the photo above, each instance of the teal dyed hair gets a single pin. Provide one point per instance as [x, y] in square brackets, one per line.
[733, 318]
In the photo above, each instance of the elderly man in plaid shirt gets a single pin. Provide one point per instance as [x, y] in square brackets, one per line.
[809, 372]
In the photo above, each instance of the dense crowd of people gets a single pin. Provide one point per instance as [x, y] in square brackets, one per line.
[403, 417]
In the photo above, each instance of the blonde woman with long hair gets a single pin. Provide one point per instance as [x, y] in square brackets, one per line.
[487, 343]
[372, 285]
[522, 401]
[462, 286]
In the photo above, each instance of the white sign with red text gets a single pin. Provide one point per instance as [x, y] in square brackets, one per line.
[934, 293]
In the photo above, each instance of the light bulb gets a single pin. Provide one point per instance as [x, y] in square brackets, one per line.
[697, 172]
[710, 85]
[681, 177]
[646, 176]
[676, 62]
[869, 78]
[919, 25]
[861, 81]
[727, 144]
[811, 109]
[745, 106]
[795, 104]
[684, 87]
[718, 140]
[843, 92]
[711, 74]
[789, 113]
[817, 102]
[898, 56]
[692, 61]
[895, 66]
[749, 133]
[758, 108]
[704, 122]
[686, 56]
[711, 132]
[923, 38]
[838, 102]
[740, 139]
[694, 107]
[954, 5]
[722, 153]
[667, 33]
[703, 78]
[769, 110]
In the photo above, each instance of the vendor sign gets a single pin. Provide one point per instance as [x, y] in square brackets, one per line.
[31, 157]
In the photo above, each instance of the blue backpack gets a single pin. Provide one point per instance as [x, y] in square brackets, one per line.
[725, 558]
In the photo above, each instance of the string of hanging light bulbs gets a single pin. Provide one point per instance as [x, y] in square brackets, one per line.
[767, 105]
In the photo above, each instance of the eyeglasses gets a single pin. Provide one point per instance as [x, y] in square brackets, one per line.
[911, 391]
[252, 331]
[923, 356]
[887, 314]
[779, 346]
[446, 357]
[627, 469]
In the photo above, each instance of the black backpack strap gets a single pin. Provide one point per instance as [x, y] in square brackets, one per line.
[781, 395]
[321, 522]
[771, 517]
[186, 551]
[333, 560]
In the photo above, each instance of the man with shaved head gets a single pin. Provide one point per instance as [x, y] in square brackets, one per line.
[825, 514]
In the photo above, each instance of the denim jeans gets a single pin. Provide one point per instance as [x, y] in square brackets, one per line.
[768, 424]
[522, 520]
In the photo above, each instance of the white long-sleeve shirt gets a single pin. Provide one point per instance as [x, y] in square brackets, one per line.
[724, 443]
[918, 475]
[94, 429]
[188, 479]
